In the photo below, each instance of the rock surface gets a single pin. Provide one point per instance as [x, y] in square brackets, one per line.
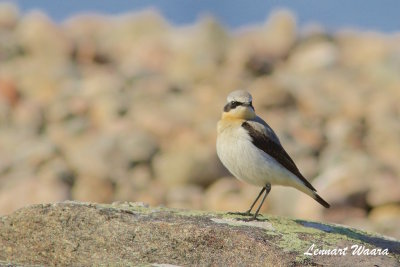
[124, 108]
[121, 234]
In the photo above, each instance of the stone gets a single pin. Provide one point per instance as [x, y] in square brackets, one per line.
[30, 190]
[229, 194]
[386, 219]
[73, 233]
[136, 146]
[384, 189]
[89, 187]
[277, 35]
[8, 92]
[9, 15]
[41, 37]
[129, 104]
[132, 182]
[313, 56]
[184, 197]
[87, 154]
[29, 116]
[370, 48]
[155, 194]
[179, 165]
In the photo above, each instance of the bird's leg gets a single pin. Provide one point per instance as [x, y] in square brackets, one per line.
[248, 212]
[267, 190]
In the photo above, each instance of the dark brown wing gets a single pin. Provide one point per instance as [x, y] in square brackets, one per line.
[276, 151]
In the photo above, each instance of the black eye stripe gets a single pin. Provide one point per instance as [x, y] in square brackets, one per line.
[234, 104]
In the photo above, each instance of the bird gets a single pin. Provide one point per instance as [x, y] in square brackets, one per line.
[249, 148]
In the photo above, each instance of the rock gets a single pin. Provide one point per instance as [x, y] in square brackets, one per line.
[268, 94]
[229, 194]
[88, 153]
[26, 151]
[285, 201]
[8, 92]
[179, 164]
[89, 187]
[157, 196]
[30, 190]
[9, 15]
[367, 49]
[209, 45]
[279, 33]
[314, 55]
[73, 233]
[386, 219]
[382, 122]
[344, 215]
[135, 146]
[41, 37]
[132, 182]
[185, 197]
[29, 117]
[129, 104]
[105, 100]
[384, 189]
[343, 180]
[343, 186]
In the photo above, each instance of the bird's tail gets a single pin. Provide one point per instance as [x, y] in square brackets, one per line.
[320, 200]
[313, 194]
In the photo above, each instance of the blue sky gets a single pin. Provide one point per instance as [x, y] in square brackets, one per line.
[365, 15]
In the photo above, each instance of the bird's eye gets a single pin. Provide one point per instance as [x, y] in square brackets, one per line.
[232, 105]
[235, 104]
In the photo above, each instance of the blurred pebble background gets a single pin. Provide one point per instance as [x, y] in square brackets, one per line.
[124, 108]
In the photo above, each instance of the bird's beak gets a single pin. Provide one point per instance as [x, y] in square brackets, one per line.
[227, 107]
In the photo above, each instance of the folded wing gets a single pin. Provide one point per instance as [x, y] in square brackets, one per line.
[268, 142]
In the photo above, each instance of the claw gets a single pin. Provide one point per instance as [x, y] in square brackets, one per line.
[247, 213]
[253, 218]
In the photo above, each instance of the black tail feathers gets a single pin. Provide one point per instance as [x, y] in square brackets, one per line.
[321, 201]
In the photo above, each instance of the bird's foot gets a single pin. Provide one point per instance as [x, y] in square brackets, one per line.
[254, 218]
[246, 213]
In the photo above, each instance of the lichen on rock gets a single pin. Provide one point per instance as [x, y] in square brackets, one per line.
[86, 234]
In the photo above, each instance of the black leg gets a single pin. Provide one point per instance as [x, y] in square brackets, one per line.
[267, 190]
[248, 212]
[255, 201]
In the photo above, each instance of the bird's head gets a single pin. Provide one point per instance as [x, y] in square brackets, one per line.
[239, 106]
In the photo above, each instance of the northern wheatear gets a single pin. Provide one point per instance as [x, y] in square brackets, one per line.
[252, 152]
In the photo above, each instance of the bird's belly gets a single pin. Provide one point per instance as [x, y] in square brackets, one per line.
[250, 164]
